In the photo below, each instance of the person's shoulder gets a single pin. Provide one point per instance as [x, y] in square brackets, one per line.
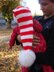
[38, 17]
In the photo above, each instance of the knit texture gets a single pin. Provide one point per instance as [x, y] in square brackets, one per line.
[24, 19]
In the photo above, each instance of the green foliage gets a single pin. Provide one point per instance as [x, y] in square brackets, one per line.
[8, 6]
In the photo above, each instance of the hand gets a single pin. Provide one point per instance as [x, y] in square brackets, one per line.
[19, 38]
[36, 41]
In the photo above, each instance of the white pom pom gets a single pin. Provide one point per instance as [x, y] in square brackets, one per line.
[26, 58]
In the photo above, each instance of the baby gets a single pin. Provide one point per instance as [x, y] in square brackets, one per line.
[27, 28]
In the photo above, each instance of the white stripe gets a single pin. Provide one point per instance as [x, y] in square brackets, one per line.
[27, 44]
[18, 9]
[26, 29]
[26, 23]
[23, 15]
[27, 36]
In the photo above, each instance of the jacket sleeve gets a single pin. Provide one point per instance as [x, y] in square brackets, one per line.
[13, 36]
[38, 29]
[37, 26]
[41, 48]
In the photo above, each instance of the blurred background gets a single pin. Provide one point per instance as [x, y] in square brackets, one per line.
[6, 7]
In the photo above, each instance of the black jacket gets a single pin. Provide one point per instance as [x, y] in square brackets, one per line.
[48, 33]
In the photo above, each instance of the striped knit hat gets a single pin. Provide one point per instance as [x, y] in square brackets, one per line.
[24, 19]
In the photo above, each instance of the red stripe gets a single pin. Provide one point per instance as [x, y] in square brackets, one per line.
[26, 33]
[20, 12]
[26, 26]
[27, 40]
[28, 47]
[23, 19]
